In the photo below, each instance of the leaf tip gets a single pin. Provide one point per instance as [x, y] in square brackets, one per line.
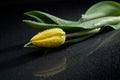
[29, 45]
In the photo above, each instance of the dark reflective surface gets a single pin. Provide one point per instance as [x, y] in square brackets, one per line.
[97, 58]
[54, 64]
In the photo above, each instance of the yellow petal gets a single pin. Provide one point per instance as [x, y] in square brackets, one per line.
[49, 38]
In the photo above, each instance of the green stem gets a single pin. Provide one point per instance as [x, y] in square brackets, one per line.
[81, 36]
[78, 39]
[82, 33]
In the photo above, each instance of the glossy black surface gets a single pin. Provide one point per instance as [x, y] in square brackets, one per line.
[97, 58]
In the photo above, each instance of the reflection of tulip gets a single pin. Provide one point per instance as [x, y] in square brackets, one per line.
[49, 38]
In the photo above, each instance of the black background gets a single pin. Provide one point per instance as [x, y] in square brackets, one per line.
[97, 58]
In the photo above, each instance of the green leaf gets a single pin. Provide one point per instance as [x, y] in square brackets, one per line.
[29, 45]
[43, 26]
[115, 26]
[100, 22]
[102, 9]
[92, 24]
[47, 18]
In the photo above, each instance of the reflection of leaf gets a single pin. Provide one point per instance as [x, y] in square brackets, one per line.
[102, 9]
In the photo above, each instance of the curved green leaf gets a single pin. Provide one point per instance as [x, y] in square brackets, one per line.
[30, 45]
[43, 26]
[102, 9]
[100, 22]
[96, 23]
[47, 18]
[115, 26]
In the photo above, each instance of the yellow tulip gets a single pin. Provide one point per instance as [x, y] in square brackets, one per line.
[49, 38]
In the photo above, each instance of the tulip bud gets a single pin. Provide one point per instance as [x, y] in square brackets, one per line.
[49, 38]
